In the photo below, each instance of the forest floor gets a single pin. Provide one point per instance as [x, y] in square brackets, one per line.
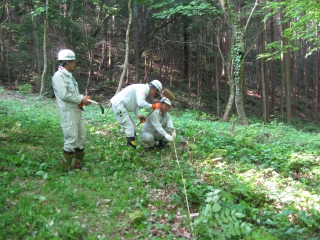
[216, 182]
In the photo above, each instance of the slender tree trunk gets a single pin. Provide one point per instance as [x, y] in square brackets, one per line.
[146, 67]
[110, 49]
[125, 65]
[215, 70]
[161, 65]
[305, 75]
[199, 68]
[171, 68]
[189, 74]
[258, 75]
[239, 93]
[2, 55]
[45, 56]
[282, 92]
[263, 80]
[90, 54]
[266, 72]
[144, 29]
[101, 63]
[272, 71]
[229, 77]
[37, 46]
[283, 68]
[136, 47]
[288, 87]
[294, 82]
[8, 68]
[223, 67]
[151, 61]
[264, 76]
[286, 72]
[185, 50]
[316, 86]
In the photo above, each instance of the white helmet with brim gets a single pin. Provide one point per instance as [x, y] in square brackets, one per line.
[157, 84]
[66, 54]
[166, 100]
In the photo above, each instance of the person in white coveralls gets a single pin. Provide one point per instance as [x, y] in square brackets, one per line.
[131, 99]
[70, 103]
[159, 127]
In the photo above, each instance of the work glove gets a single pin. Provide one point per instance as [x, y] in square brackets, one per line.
[168, 137]
[156, 106]
[142, 119]
[80, 105]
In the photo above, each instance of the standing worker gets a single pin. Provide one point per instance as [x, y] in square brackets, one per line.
[158, 127]
[70, 103]
[131, 99]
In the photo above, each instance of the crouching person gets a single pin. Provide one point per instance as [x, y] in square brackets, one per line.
[158, 127]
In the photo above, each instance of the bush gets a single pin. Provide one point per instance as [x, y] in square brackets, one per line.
[25, 89]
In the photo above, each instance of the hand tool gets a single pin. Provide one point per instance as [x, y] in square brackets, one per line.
[102, 109]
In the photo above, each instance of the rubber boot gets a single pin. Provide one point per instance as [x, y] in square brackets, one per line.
[131, 141]
[79, 159]
[67, 161]
[161, 145]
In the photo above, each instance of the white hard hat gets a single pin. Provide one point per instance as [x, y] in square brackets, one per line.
[157, 84]
[66, 54]
[166, 100]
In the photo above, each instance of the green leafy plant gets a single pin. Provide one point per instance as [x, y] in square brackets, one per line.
[218, 222]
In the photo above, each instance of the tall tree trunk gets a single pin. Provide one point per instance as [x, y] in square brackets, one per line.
[257, 73]
[215, 74]
[45, 56]
[239, 82]
[8, 68]
[110, 49]
[221, 48]
[230, 79]
[2, 55]
[266, 72]
[316, 86]
[136, 47]
[37, 46]
[199, 67]
[239, 91]
[171, 62]
[288, 86]
[236, 69]
[294, 82]
[263, 80]
[272, 71]
[282, 92]
[125, 65]
[189, 74]
[185, 50]
[283, 68]
[305, 75]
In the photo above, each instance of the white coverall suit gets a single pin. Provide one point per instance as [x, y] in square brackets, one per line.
[156, 126]
[68, 97]
[130, 99]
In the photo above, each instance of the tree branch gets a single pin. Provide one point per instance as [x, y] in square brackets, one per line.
[6, 18]
[249, 18]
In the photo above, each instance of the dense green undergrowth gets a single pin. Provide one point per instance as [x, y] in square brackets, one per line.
[255, 182]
